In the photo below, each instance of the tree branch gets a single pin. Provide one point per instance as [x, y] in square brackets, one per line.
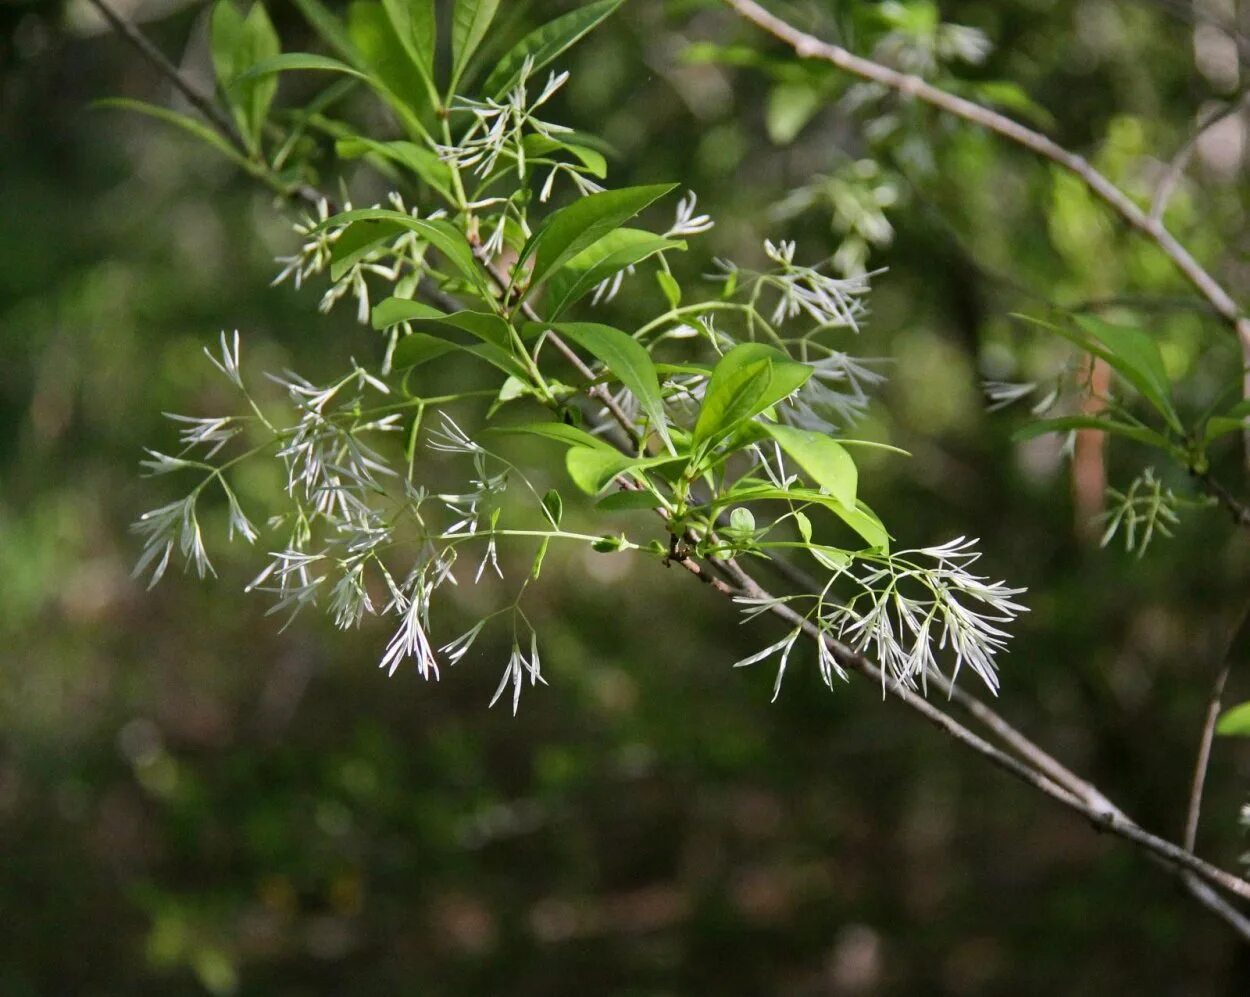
[1208, 731]
[1112, 819]
[809, 47]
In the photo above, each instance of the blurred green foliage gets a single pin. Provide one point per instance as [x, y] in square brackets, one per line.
[191, 801]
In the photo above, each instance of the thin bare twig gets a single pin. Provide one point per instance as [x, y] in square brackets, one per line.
[1176, 168]
[201, 101]
[1208, 731]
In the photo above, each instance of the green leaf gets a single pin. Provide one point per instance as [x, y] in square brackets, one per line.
[628, 360]
[746, 381]
[392, 311]
[670, 287]
[617, 250]
[1235, 722]
[188, 124]
[388, 36]
[417, 348]
[545, 43]
[560, 432]
[237, 44]
[592, 469]
[553, 508]
[824, 460]
[858, 517]
[416, 31]
[469, 23]
[567, 232]
[299, 61]
[416, 158]
[1107, 425]
[441, 234]
[790, 107]
[1135, 354]
[538, 146]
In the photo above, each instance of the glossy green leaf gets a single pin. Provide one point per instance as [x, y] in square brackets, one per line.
[606, 257]
[470, 20]
[592, 469]
[545, 43]
[628, 360]
[1235, 722]
[822, 458]
[567, 232]
[746, 381]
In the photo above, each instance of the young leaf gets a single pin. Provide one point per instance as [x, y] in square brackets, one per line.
[545, 43]
[566, 232]
[596, 263]
[828, 464]
[469, 22]
[628, 360]
[1235, 722]
[592, 469]
[553, 507]
[746, 381]
[670, 287]
[732, 397]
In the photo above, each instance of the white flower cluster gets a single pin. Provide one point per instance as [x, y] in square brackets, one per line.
[905, 607]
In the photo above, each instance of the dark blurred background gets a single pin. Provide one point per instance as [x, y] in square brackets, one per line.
[191, 801]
